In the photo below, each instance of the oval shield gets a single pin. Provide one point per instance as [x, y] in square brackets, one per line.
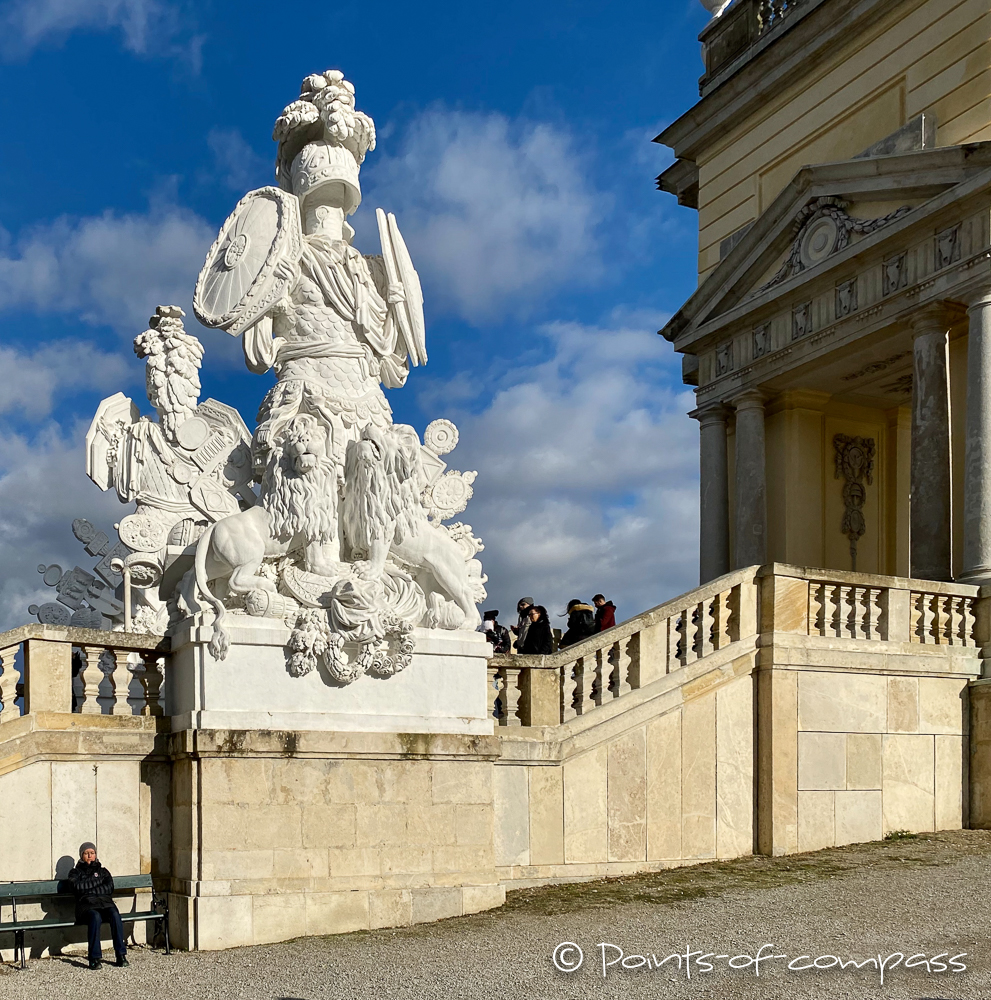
[238, 283]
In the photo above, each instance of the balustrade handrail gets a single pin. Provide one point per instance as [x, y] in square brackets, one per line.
[134, 642]
[854, 579]
[631, 626]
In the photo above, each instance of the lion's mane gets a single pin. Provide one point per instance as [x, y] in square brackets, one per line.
[381, 488]
[304, 505]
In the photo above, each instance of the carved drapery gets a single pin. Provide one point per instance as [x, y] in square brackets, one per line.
[855, 464]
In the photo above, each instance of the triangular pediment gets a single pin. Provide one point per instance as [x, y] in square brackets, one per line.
[821, 215]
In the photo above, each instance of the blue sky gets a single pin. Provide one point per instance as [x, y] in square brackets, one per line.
[513, 146]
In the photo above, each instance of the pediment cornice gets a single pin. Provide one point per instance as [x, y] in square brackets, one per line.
[807, 230]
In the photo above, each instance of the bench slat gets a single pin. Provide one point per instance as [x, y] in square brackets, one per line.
[34, 925]
[61, 887]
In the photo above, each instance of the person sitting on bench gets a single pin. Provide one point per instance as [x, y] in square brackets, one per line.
[93, 886]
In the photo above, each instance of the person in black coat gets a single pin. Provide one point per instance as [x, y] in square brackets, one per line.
[581, 623]
[538, 639]
[93, 887]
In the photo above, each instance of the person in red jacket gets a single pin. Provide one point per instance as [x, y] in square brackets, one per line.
[605, 613]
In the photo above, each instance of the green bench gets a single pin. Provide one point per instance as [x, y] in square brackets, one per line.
[11, 892]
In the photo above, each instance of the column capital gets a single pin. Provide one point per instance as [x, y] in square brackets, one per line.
[714, 412]
[934, 317]
[752, 399]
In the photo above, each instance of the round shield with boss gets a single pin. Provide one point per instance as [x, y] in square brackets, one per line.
[239, 282]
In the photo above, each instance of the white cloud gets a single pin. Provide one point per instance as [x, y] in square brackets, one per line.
[497, 212]
[144, 25]
[53, 369]
[109, 269]
[43, 488]
[588, 473]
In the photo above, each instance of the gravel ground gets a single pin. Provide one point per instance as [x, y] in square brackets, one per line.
[922, 895]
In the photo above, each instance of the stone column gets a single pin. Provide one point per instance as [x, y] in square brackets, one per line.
[930, 511]
[976, 566]
[751, 490]
[713, 492]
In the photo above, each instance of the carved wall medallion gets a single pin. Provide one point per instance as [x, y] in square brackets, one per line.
[801, 320]
[894, 274]
[900, 386]
[874, 367]
[855, 463]
[724, 358]
[846, 298]
[761, 340]
[947, 249]
[823, 228]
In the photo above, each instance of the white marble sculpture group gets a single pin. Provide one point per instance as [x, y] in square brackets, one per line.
[344, 538]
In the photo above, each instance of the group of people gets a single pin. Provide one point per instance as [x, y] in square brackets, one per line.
[533, 632]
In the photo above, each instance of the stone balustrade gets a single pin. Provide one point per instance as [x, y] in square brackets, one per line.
[735, 32]
[819, 604]
[37, 670]
[576, 680]
[837, 605]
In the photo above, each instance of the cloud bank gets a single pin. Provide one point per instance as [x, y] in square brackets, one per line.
[498, 213]
[111, 269]
[588, 473]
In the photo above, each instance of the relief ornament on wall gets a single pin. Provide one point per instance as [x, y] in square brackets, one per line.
[855, 463]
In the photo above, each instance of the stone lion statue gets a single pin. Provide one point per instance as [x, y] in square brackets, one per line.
[303, 501]
[382, 518]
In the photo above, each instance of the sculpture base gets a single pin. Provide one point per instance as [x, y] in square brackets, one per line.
[443, 690]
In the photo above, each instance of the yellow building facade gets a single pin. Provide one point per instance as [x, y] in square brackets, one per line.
[840, 336]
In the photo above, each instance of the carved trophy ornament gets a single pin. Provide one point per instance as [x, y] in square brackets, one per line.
[855, 464]
[344, 538]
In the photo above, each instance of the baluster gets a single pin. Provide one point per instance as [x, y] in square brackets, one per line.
[683, 625]
[967, 622]
[699, 631]
[860, 618]
[943, 626]
[570, 691]
[619, 657]
[8, 684]
[511, 694]
[585, 673]
[151, 684]
[915, 617]
[817, 608]
[954, 617]
[91, 675]
[670, 647]
[120, 681]
[876, 613]
[927, 619]
[494, 682]
[707, 618]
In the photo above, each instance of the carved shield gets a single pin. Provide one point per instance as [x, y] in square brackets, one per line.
[238, 283]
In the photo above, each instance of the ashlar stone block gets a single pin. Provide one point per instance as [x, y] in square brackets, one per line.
[338, 912]
[815, 820]
[546, 814]
[951, 782]
[627, 792]
[664, 787]
[907, 776]
[735, 768]
[903, 705]
[838, 702]
[278, 917]
[511, 794]
[698, 792]
[821, 761]
[943, 706]
[586, 828]
[863, 761]
[858, 817]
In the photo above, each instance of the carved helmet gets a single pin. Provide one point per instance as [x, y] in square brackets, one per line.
[323, 139]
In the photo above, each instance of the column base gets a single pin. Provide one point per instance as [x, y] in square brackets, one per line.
[979, 576]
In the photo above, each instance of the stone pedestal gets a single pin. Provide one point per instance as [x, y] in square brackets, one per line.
[441, 691]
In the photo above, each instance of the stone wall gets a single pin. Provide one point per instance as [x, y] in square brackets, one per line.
[279, 835]
[776, 709]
